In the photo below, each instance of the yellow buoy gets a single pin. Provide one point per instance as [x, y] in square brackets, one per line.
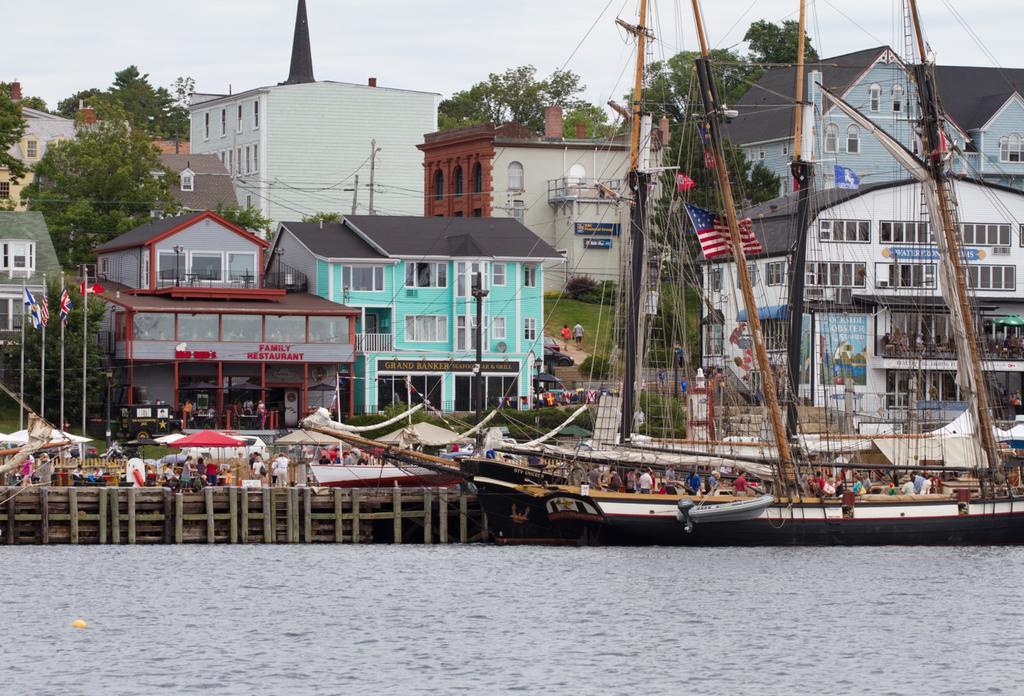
[78, 623]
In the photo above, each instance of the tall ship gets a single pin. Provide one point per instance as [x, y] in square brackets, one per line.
[531, 494]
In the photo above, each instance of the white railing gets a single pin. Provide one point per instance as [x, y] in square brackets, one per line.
[374, 342]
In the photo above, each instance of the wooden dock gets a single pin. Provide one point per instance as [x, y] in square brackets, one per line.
[227, 515]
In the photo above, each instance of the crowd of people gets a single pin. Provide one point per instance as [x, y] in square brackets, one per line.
[670, 482]
[861, 483]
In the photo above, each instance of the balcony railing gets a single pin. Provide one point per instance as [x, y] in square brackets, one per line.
[579, 189]
[280, 277]
[374, 342]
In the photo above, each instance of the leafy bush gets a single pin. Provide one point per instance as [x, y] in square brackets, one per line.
[603, 293]
[595, 367]
[579, 286]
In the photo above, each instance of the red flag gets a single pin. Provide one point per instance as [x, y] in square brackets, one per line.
[685, 183]
[94, 288]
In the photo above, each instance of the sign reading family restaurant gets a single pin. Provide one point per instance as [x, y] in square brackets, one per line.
[228, 351]
[446, 366]
[278, 352]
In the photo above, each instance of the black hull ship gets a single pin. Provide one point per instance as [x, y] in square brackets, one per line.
[521, 512]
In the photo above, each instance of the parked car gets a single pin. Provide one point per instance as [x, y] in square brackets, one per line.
[551, 344]
[557, 358]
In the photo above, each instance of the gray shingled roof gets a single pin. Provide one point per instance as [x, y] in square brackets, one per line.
[212, 185]
[331, 240]
[143, 233]
[409, 236]
[970, 95]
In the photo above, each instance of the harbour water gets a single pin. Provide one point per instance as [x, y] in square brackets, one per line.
[487, 620]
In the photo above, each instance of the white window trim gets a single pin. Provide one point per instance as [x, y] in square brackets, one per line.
[498, 329]
[414, 275]
[374, 267]
[831, 128]
[535, 268]
[875, 97]
[224, 122]
[206, 125]
[522, 176]
[30, 255]
[227, 263]
[238, 126]
[438, 318]
[192, 253]
[849, 129]
[188, 180]
[530, 324]
[256, 114]
[494, 274]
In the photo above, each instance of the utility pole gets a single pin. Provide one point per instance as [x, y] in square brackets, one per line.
[355, 195]
[373, 172]
[479, 293]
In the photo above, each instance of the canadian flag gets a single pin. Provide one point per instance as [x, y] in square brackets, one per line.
[95, 288]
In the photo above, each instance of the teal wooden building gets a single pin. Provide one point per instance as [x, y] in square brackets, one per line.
[411, 279]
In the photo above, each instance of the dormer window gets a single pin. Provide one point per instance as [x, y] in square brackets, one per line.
[31, 149]
[18, 256]
[187, 180]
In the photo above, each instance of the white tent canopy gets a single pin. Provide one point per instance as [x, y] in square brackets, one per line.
[170, 439]
[425, 434]
[21, 437]
[307, 437]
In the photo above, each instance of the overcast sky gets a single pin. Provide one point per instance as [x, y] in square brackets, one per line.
[440, 46]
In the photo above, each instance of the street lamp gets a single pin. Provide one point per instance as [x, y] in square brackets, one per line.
[109, 374]
[479, 293]
[178, 249]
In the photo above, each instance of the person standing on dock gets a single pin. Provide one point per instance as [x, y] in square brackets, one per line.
[45, 469]
[279, 469]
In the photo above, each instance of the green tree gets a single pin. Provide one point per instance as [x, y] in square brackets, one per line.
[776, 43]
[96, 391]
[515, 95]
[593, 118]
[37, 103]
[97, 186]
[12, 128]
[323, 217]
[68, 107]
[763, 184]
[154, 110]
[249, 218]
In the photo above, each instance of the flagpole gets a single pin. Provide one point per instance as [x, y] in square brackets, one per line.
[85, 346]
[63, 288]
[42, 360]
[21, 386]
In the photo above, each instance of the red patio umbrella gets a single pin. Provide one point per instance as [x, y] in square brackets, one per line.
[208, 438]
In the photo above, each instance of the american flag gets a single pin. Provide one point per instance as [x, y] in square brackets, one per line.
[44, 311]
[713, 233]
[65, 305]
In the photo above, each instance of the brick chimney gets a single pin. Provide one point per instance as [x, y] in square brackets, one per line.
[553, 122]
[88, 115]
[16, 90]
[581, 131]
[372, 82]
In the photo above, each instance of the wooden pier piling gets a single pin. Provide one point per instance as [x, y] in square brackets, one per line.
[225, 515]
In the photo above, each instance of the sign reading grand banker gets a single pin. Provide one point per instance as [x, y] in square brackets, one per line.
[446, 366]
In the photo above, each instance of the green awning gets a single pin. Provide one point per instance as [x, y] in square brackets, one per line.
[1012, 320]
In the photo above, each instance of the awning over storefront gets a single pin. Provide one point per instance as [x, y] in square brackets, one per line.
[770, 312]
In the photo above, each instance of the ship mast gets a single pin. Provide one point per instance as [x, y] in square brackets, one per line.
[639, 181]
[951, 258]
[713, 115]
[803, 174]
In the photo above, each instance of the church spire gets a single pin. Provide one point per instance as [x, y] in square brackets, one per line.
[302, 60]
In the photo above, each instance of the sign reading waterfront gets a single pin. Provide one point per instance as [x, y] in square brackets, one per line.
[928, 253]
[446, 366]
[607, 229]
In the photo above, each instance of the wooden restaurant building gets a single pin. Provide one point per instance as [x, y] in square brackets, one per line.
[198, 314]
